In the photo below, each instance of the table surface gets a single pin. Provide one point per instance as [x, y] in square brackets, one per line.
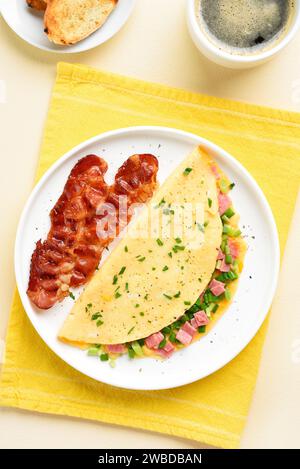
[154, 45]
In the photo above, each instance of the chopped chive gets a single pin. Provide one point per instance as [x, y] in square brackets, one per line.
[201, 329]
[130, 330]
[187, 171]
[170, 254]
[231, 186]
[122, 270]
[159, 242]
[146, 296]
[126, 248]
[165, 268]
[167, 296]
[137, 305]
[104, 357]
[99, 323]
[187, 303]
[209, 202]
[71, 295]
[178, 240]
[96, 316]
[115, 279]
[117, 295]
[141, 259]
[126, 286]
[142, 314]
[215, 308]
[177, 295]
[89, 305]
[205, 224]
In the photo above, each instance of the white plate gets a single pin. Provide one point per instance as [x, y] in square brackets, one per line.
[256, 285]
[28, 24]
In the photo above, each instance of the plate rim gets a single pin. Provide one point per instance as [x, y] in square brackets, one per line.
[66, 49]
[202, 141]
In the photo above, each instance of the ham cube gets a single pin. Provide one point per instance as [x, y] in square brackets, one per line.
[201, 318]
[187, 327]
[223, 267]
[154, 340]
[117, 348]
[163, 353]
[169, 347]
[184, 337]
[221, 255]
[216, 287]
[234, 249]
[224, 203]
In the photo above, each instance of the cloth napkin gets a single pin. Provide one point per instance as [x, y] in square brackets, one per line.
[86, 102]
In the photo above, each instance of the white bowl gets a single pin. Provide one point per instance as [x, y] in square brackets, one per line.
[226, 59]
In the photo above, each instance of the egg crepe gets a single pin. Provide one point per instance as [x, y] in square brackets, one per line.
[155, 272]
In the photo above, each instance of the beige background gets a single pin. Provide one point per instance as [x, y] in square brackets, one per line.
[154, 45]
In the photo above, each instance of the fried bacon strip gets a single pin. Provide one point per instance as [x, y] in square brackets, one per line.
[73, 248]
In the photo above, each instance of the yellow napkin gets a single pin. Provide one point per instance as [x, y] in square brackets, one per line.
[86, 102]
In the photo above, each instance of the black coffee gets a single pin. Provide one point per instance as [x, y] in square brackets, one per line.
[244, 24]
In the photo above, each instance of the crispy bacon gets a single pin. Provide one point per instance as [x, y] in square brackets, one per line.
[73, 248]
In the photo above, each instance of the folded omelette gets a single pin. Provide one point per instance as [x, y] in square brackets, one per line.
[154, 274]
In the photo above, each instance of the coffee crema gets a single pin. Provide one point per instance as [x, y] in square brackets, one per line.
[244, 26]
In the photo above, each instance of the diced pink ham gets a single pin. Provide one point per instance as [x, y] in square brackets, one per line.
[163, 353]
[215, 171]
[187, 327]
[117, 348]
[223, 267]
[216, 287]
[184, 337]
[221, 255]
[169, 347]
[154, 340]
[234, 249]
[201, 318]
[224, 202]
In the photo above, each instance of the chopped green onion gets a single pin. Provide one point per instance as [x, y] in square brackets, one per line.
[228, 259]
[224, 188]
[201, 329]
[227, 294]
[162, 343]
[137, 349]
[104, 357]
[229, 212]
[93, 352]
[131, 352]
[166, 330]
[229, 230]
[71, 295]
[215, 308]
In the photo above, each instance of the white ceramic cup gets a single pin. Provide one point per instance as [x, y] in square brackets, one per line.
[225, 58]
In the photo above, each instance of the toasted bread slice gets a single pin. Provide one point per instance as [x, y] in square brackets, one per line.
[40, 5]
[70, 21]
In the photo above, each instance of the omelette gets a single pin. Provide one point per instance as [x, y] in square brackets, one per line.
[169, 273]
